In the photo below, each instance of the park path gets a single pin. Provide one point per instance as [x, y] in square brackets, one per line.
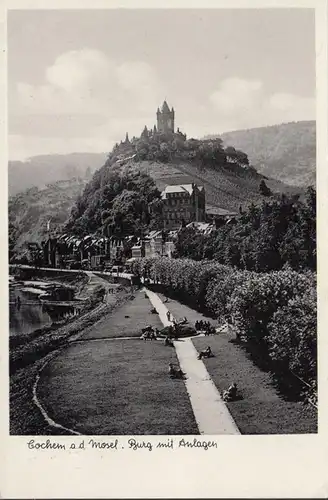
[211, 413]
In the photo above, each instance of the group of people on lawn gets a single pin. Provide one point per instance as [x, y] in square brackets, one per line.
[152, 333]
[204, 326]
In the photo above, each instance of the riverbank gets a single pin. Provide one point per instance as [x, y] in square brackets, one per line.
[27, 358]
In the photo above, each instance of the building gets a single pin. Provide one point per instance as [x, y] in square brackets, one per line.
[153, 244]
[182, 204]
[203, 227]
[165, 119]
[219, 216]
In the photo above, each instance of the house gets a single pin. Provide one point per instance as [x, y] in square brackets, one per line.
[203, 227]
[154, 244]
[219, 216]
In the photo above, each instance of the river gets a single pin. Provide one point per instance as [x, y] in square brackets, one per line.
[31, 315]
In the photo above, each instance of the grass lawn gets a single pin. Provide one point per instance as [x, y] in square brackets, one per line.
[127, 321]
[261, 410]
[116, 387]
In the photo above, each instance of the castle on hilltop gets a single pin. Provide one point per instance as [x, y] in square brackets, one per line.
[165, 126]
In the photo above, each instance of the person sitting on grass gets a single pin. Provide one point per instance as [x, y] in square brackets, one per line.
[153, 334]
[168, 341]
[206, 354]
[171, 332]
[175, 372]
[231, 393]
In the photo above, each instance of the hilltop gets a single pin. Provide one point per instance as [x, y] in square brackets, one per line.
[44, 169]
[285, 152]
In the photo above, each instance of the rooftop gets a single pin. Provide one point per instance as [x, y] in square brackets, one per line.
[180, 188]
[165, 108]
[210, 209]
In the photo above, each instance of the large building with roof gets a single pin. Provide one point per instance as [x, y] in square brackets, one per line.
[182, 204]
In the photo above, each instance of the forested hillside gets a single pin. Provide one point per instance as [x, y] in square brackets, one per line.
[30, 211]
[286, 152]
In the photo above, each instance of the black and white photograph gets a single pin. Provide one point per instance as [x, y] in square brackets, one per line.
[162, 220]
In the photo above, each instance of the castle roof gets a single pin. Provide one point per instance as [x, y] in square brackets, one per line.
[165, 108]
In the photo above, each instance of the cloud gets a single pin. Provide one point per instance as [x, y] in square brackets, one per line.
[82, 70]
[87, 102]
[236, 94]
[240, 103]
[84, 95]
[88, 82]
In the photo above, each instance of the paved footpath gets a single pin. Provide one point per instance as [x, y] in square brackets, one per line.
[211, 413]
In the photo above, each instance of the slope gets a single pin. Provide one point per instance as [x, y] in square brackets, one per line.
[286, 152]
[224, 188]
[29, 211]
[40, 170]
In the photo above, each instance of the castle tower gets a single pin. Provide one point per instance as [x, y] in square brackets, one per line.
[165, 119]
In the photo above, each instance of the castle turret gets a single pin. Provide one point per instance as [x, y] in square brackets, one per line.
[145, 133]
[165, 119]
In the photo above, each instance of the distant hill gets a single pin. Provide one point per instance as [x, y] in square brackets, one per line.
[286, 152]
[30, 210]
[40, 170]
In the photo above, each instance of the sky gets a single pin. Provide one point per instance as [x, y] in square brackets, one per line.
[78, 80]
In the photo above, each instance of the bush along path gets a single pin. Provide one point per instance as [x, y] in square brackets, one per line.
[211, 414]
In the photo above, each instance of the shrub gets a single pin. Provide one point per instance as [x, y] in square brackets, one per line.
[254, 302]
[293, 341]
